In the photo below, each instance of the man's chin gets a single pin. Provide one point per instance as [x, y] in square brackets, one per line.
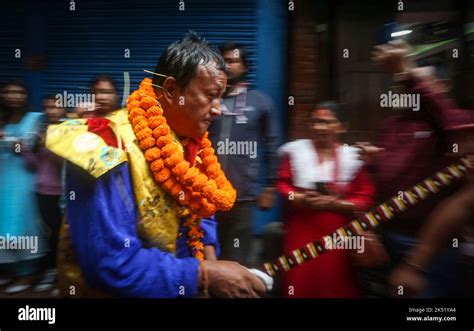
[201, 131]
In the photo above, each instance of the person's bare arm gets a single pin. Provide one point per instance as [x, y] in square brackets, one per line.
[444, 224]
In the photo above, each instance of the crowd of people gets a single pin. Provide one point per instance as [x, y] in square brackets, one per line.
[134, 201]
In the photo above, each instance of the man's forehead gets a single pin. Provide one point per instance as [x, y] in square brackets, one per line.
[212, 75]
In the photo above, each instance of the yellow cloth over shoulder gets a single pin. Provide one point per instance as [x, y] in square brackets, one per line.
[158, 223]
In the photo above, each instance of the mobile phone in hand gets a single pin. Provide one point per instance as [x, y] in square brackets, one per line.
[321, 188]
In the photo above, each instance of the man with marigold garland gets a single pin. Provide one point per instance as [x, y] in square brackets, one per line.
[143, 185]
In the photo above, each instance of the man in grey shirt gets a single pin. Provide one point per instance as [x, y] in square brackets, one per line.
[245, 136]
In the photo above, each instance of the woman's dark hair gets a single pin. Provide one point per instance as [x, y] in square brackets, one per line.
[182, 59]
[15, 82]
[103, 78]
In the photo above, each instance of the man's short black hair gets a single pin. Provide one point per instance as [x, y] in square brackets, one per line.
[182, 59]
[232, 46]
[336, 108]
[49, 97]
[103, 78]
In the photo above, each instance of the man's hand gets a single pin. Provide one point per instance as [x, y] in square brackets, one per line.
[393, 57]
[265, 199]
[412, 280]
[368, 152]
[226, 279]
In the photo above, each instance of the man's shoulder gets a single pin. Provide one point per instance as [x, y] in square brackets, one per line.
[75, 142]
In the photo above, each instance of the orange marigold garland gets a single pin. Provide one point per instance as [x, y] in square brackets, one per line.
[201, 189]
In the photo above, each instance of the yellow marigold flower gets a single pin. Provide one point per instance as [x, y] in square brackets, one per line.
[169, 184]
[136, 112]
[156, 121]
[190, 175]
[157, 165]
[162, 175]
[213, 170]
[164, 140]
[161, 130]
[207, 152]
[143, 134]
[133, 104]
[147, 143]
[205, 142]
[169, 150]
[199, 182]
[152, 154]
[148, 102]
[211, 159]
[180, 168]
[173, 160]
[154, 111]
[137, 120]
[141, 125]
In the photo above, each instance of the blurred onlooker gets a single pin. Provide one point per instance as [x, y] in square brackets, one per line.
[104, 88]
[443, 225]
[324, 183]
[244, 136]
[48, 188]
[84, 110]
[19, 217]
[413, 147]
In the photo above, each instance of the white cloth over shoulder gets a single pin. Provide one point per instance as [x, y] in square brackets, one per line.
[307, 169]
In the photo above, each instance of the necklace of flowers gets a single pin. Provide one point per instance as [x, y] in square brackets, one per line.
[201, 189]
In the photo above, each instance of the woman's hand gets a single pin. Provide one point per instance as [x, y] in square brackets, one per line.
[317, 201]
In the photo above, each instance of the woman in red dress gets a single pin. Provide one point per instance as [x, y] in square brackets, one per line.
[325, 184]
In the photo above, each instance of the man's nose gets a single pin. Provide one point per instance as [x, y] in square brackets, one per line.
[216, 107]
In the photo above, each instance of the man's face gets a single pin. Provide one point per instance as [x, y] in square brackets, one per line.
[235, 66]
[190, 110]
[14, 96]
[53, 113]
[105, 97]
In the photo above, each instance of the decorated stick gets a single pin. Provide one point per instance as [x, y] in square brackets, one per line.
[383, 212]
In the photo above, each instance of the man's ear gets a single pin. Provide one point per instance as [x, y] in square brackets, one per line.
[169, 88]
